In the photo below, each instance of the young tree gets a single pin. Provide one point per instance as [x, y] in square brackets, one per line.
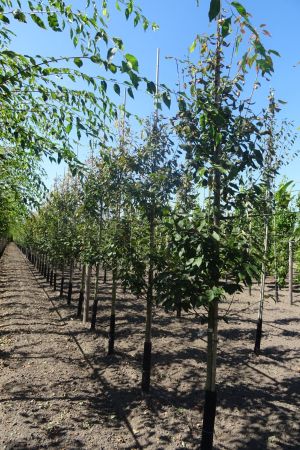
[222, 139]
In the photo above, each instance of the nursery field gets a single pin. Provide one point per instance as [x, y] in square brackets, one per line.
[59, 389]
[149, 225]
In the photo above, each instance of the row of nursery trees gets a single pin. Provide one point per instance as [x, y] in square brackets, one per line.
[184, 213]
[138, 212]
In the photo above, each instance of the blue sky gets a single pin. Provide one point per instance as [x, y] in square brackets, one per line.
[179, 22]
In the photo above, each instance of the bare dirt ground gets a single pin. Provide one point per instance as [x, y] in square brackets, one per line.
[59, 390]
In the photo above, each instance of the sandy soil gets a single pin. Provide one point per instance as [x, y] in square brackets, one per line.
[59, 390]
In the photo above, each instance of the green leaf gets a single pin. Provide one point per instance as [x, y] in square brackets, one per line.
[226, 27]
[240, 9]
[117, 89]
[103, 85]
[4, 18]
[132, 61]
[78, 62]
[54, 24]
[129, 90]
[96, 59]
[19, 15]
[119, 43]
[112, 68]
[214, 9]
[151, 88]
[198, 261]
[193, 45]
[111, 52]
[166, 99]
[215, 236]
[36, 19]
[274, 52]
[69, 127]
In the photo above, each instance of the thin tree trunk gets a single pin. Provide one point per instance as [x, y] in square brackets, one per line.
[146, 375]
[210, 400]
[48, 270]
[81, 293]
[95, 303]
[268, 161]
[275, 264]
[70, 287]
[55, 279]
[291, 272]
[112, 325]
[262, 293]
[62, 281]
[178, 310]
[86, 304]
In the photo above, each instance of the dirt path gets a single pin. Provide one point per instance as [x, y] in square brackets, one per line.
[48, 396]
[58, 390]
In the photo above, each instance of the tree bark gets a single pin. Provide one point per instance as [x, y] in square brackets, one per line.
[86, 304]
[70, 287]
[291, 272]
[262, 293]
[81, 293]
[112, 325]
[95, 303]
[147, 356]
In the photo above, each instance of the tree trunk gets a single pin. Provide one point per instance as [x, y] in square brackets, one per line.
[262, 293]
[70, 287]
[95, 303]
[275, 263]
[86, 304]
[81, 293]
[178, 310]
[62, 281]
[146, 375]
[51, 275]
[291, 272]
[210, 400]
[112, 325]
[54, 279]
